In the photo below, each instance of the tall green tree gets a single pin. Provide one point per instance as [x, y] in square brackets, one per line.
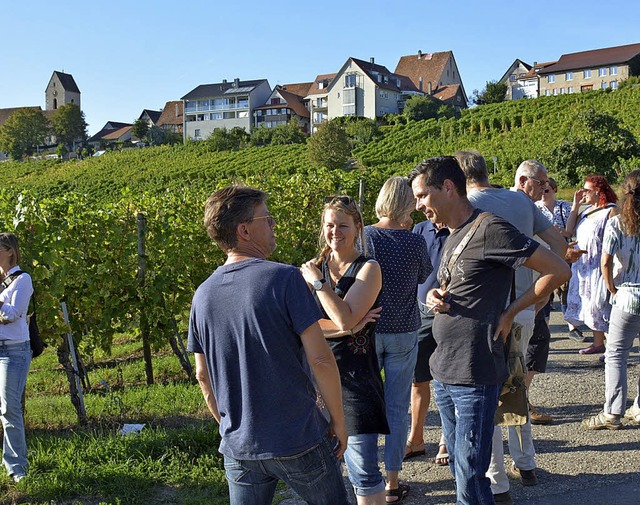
[69, 125]
[329, 146]
[419, 108]
[493, 92]
[140, 129]
[23, 131]
[595, 144]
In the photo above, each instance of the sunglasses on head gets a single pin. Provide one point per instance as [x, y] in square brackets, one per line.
[345, 200]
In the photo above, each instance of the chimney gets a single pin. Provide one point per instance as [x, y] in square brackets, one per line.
[420, 84]
[430, 90]
[419, 54]
[224, 81]
[372, 60]
[236, 82]
[177, 110]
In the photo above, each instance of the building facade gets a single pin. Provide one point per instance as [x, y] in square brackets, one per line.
[222, 105]
[61, 90]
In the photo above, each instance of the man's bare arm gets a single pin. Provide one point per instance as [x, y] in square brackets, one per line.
[202, 374]
[555, 240]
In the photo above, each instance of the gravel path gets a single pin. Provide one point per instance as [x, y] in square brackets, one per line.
[575, 466]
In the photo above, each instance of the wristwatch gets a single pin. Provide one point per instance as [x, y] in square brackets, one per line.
[317, 284]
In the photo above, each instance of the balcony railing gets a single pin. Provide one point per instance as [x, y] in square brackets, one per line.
[196, 107]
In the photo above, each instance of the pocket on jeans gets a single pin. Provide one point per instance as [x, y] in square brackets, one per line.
[234, 470]
[307, 467]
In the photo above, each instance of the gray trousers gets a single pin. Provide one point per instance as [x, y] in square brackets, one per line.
[623, 329]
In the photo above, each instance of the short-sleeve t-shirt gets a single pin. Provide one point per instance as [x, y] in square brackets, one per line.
[626, 248]
[404, 261]
[479, 288]
[247, 318]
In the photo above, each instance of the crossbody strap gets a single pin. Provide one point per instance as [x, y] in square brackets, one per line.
[463, 243]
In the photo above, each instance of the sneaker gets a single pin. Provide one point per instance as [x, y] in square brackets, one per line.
[504, 498]
[602, 421]
[537, 417]
[633, 413]
[17, 477]
[527, 477]
[592, 349]
[576, 335]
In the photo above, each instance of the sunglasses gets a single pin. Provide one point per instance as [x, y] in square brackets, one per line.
[270, 219]
[345, 200]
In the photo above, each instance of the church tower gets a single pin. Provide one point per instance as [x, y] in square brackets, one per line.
[61, 90]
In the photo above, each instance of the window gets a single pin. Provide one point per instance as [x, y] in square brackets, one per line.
[512, 78]
[568, 76]
[602, 72]
[551, 78]
[243, 114]
[570, 89]
[547, 92]
[196, 133]
[275, 101]
[613, 71]
[587, 73]
[218, 115]
[562, 91]
[350, 81]
[555, 91]
[603, 85]
[613, 84]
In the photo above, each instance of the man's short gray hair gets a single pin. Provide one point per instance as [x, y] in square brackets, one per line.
[529, 168]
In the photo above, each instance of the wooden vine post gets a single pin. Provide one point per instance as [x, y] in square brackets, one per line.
[144, 323]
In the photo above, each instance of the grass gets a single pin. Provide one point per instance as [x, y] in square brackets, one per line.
[173, 460]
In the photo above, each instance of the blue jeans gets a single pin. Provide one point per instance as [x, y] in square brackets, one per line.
[361, 459]
[623, 330]
[313, 474]
[467, 414]
[397, 354]
[14, 367]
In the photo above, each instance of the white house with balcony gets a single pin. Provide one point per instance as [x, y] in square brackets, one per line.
[222, 105]
[318, 100]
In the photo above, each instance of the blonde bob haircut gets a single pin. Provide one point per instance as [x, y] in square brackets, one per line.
[395, 200]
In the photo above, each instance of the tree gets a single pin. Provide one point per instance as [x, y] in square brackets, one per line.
[157, 136]
[594, 145]
[361, 131]
[23, 131]
[289, 133]
[69, 125]
[140, 129]
[329, 146]
[493, 92]
[222, 139]
[419, 108]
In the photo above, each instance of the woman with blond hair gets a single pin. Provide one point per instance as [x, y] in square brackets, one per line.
[15, 355]
[347, 285]
[622, 241]
[405, 263]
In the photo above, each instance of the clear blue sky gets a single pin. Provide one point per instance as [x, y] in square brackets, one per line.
[127, 56]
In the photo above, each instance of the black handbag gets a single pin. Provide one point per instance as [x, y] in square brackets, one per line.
[35, 341]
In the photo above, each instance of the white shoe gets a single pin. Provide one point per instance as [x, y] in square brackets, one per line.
[633, 413]
[17, 477]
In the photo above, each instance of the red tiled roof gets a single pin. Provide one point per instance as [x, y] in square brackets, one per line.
[171, 116]
[594, 58]
[314, 90]
[298, 88]
[536, 69]
[293, 102]
[428, 66]
[447, 93]
[115, 135]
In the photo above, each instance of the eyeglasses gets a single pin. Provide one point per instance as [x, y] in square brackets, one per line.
[540, 183]
[345, 200]
[270, 219]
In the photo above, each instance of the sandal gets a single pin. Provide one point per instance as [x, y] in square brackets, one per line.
[442, 458]
[413, 451]
[399, 493]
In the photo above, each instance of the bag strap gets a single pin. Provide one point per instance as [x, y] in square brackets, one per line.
[463, 244]
[608, 206]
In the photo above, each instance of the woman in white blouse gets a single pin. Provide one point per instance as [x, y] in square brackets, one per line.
[15, 354]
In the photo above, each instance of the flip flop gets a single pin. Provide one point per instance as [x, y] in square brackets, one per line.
[413, 453]
[400, 493]
[442, 458]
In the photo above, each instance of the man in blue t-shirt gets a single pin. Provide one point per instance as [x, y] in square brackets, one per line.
[255, 334]
[471, 322]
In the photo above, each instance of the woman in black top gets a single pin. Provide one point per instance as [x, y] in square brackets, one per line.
[347, 286]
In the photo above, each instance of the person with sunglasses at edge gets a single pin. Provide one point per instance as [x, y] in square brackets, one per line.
[347, 286]
[471, 322]
[257, 342]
